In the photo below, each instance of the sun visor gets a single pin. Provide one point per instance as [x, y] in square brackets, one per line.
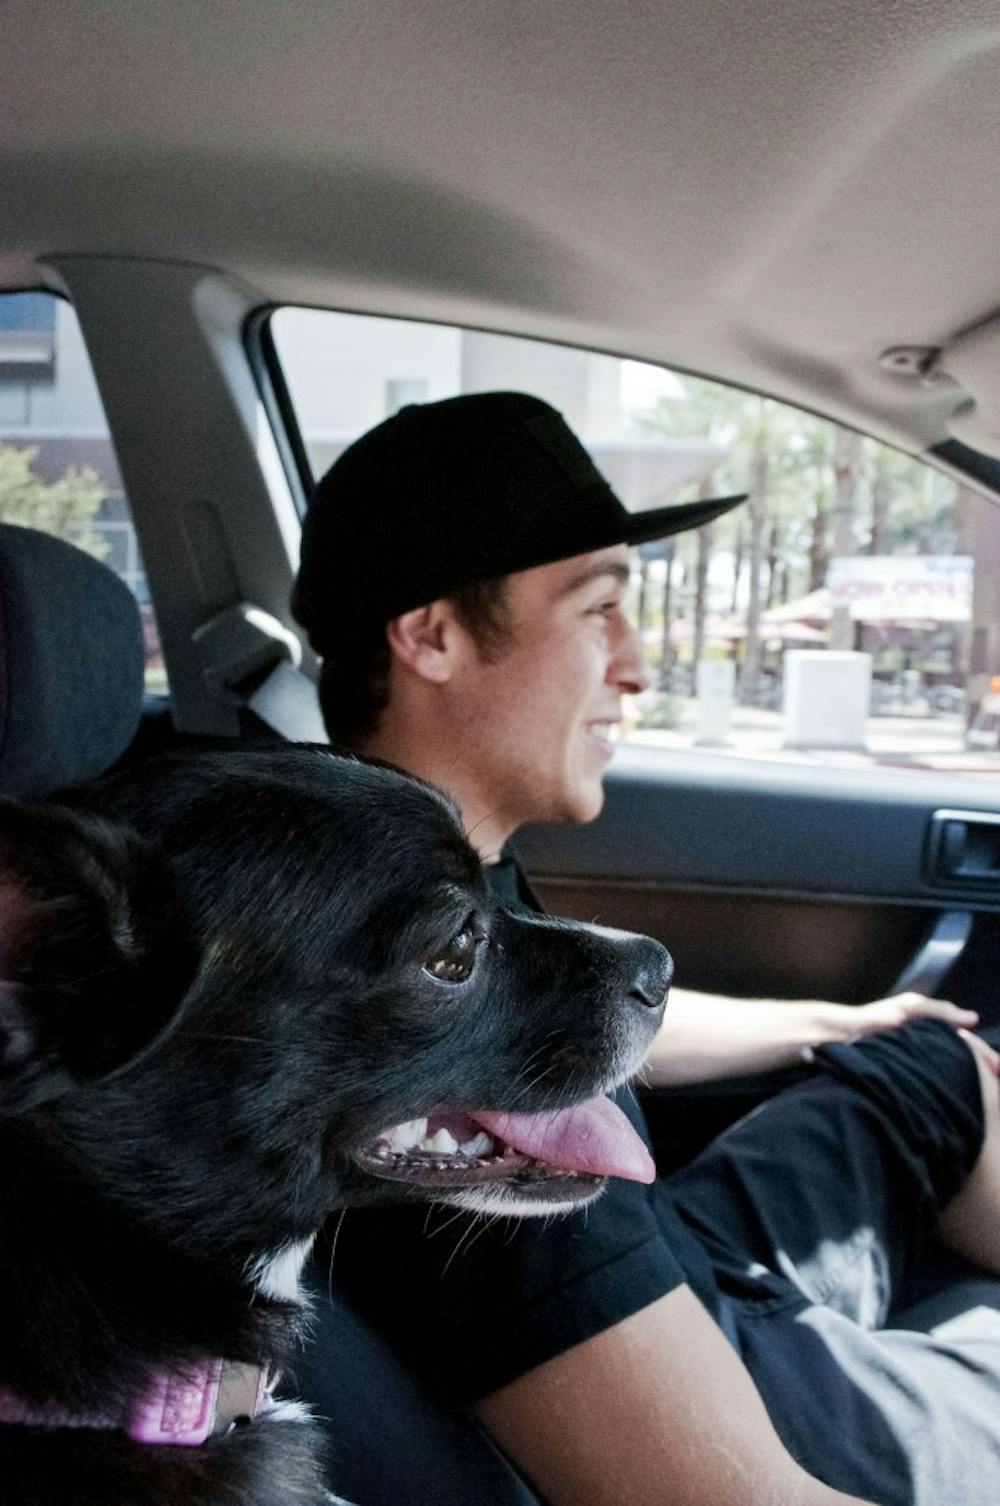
[972, 360]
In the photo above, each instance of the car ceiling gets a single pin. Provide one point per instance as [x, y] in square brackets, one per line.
[771, 193]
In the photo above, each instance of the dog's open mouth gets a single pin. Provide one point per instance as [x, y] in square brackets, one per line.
[590, 1141]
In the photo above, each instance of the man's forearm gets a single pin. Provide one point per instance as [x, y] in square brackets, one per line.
[705, 1036]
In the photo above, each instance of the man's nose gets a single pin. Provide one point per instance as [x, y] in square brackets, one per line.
[629, 670]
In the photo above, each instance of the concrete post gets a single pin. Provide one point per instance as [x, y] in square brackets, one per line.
[715, 680]
[827, 697]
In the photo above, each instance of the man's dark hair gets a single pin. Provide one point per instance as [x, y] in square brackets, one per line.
[354, 685]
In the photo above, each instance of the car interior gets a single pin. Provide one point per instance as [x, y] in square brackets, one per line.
[800, 203]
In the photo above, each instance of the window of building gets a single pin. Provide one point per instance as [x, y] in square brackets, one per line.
[58, 470]
[846, 548]
[27, 338]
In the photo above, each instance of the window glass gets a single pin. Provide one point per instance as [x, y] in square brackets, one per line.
[843, 615]
[58, 470]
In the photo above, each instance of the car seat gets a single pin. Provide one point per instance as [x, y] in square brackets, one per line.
[71, 663]
[71, 701]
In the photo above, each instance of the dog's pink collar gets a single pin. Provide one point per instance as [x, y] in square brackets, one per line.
[209, 1398]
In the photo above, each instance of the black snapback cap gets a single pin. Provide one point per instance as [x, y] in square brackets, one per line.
[444, 494]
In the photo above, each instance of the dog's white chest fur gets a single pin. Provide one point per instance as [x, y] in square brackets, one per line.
[278, 1274]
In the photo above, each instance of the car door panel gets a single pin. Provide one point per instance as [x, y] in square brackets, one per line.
[779, 947]
[786, 879]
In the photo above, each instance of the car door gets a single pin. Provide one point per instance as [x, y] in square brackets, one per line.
[779, 879]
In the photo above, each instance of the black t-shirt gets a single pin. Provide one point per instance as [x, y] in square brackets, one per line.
[471, 1304]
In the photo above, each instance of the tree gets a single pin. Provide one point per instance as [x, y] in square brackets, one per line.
[666, 653]
[846, 482]
[702, 410]
[704, 546]
[65, 507]
[642, 609]
[913, 507]
[777, 568]
[882, 491]
[819, 551]
[760, 476]
[739, 550]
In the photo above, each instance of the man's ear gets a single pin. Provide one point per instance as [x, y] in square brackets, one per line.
[426, 640]
[95, 954]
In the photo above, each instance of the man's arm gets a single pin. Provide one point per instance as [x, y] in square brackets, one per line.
[705, 1036]
[656, 1411]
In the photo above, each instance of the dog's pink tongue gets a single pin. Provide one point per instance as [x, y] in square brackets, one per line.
[595, 1137]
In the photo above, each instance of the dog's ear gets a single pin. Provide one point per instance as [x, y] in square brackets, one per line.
[95, 954]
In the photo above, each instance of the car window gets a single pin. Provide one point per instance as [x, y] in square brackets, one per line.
[844, 615]
[58, 471]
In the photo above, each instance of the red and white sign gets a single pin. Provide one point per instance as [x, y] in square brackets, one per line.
[903, 588]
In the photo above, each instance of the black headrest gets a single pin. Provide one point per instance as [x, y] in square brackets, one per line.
[71, 663]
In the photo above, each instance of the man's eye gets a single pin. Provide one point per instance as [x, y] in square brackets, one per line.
[455, 963]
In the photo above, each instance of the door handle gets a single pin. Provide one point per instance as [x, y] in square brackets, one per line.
[964, 847]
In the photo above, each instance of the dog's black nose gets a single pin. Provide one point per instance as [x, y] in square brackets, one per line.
[653, 971]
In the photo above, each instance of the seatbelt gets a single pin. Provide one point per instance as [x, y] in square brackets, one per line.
[251, 660]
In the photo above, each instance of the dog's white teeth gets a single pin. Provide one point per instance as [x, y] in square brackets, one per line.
[406, 1136]
[413, 1136]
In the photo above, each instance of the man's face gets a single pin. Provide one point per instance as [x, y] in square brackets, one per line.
[532, 725]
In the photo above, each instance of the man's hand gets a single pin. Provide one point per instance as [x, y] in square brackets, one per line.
[889, 1014]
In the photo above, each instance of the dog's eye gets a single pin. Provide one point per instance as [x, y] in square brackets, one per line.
[455, 963]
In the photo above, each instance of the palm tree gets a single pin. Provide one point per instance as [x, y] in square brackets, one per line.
[847, 474]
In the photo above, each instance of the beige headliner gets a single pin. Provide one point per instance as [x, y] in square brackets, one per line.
[771, 192]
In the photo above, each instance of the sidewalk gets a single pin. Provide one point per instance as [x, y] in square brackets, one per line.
[906, 741]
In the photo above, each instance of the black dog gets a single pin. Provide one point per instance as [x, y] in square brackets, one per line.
[238, 991]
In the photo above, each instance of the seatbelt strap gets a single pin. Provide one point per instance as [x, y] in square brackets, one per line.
[286, 702]
[252, 660]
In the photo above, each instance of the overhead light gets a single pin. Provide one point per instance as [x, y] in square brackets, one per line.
[913, 362]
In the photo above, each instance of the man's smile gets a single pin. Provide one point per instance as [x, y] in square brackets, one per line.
[601, 730]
